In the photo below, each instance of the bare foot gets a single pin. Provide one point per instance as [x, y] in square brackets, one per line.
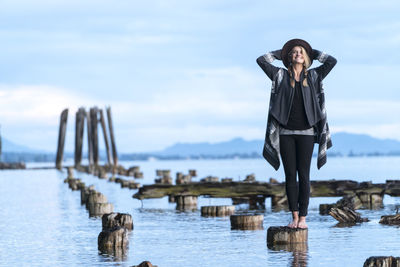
[302, 224]
[293, 224]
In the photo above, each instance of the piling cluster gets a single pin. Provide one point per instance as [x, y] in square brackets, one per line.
[93, 117]
[109, 171]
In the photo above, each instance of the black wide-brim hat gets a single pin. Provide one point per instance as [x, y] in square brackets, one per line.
[289, 46]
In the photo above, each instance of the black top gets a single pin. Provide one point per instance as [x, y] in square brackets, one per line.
[298, 117]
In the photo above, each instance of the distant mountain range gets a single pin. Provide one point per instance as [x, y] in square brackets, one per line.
[344, 144]
[9, 146]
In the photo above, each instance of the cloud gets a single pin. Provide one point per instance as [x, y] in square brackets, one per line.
[37, 104]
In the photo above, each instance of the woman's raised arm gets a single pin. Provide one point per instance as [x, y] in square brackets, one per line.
[328, 62]
[265, 61]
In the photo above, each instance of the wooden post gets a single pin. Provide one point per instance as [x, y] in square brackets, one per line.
[95, 138]
[79, 127]
[382, 261]
[113, 146]
[346, 215]
[61, 138]
[116, 219]
[219, 211]
[103, 127]
[390, 219]
[90, 144]
[186, 202]
[247, 222]
[281, 235]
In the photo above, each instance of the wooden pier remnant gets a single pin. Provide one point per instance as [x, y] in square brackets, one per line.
[116, 219]
[164, 177]
[85, 192]
[388, 261]
[247, 222]
[186, 202]
[111, 129]
[113, 239]
[79, 129]
[325, 188]
[390, 219]
[352, 202]
[283, 235]
[105, 135]
[98, 205]
[90, 141]
[95, 135]
[217, 211]
[346, 215]
[145, 264]
[61, 138]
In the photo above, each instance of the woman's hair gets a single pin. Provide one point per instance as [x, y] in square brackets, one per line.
[306, 65]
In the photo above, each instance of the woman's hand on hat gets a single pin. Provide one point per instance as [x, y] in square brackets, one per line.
[315, 54]
[277, 54]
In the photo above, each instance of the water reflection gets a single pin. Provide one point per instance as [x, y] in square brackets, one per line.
[113, 255]
[299, 253]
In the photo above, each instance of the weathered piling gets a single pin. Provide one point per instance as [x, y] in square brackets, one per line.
[219, 211]
[390, 219]
[186, 201]
[115, 219]
[352, 202]
[105, 135]
[193, 173]
[209, 179]
[75, 184]
[111, 129]
[97, 204]
[163, 172]
[113, 241]
[113, 238]
[247, 222]
[133, 185]
[61, 138]
[256, 202]
[250, 178]
[138, 175]
[70, 171]
[85, 192]
[279, 201]
[164, 177]
[282, 235]
[95, 136]
[145, 264]
[346, 215]
[90, 141]
[182, 178]
[79, 128]
[382, 261]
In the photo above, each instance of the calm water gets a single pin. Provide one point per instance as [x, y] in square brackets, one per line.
[43, 223]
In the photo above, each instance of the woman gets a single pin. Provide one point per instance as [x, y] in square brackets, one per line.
[297, 119]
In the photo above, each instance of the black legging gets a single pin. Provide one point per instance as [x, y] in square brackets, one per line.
[296, 152]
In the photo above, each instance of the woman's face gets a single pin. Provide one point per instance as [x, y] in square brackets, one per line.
[296, 55]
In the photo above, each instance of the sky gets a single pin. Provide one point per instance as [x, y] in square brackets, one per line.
[185, 71]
